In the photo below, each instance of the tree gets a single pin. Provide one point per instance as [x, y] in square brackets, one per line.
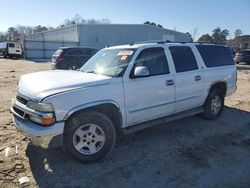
[225, 33]
[194, 33]
[205, 38]
[153, 24]
[159, 25]
[23, 30]
[2, 37]
[78, 19]
[237, 33]
[220, 36]
[11, 34]
[189, 34]
[39, 28]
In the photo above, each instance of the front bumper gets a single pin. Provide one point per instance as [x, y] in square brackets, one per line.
[44, 137]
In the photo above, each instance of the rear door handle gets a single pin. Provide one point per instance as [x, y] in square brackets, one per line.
[169, 82]
[197, 78]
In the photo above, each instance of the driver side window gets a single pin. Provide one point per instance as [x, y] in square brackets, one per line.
[154, 59]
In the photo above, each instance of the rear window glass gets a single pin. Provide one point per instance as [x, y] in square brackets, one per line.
[215, 56]
[58, 52]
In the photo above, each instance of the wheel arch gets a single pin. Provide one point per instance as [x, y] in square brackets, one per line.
[107, 107]
[222, 85]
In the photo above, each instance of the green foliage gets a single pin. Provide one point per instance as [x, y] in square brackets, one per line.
[205, 38]
[153, 24]
[39, 28]
[220, 36]
[237, 33]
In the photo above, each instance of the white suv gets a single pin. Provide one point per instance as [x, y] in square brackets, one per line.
[122, 89]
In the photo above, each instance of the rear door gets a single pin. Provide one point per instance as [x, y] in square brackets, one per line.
[189, 79]
[151, 97]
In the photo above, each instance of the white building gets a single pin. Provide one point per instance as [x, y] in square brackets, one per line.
[43, 45]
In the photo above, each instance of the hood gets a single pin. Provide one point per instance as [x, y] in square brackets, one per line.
[42, 84]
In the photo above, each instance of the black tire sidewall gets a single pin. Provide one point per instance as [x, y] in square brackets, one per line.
[207, 106]
[89, 117]
[69, 67]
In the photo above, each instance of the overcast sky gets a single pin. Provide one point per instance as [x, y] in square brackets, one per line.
[181, 15]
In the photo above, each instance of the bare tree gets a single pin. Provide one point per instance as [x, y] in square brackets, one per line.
[194, 33]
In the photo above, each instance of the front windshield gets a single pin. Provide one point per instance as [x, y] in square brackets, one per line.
[109, 62]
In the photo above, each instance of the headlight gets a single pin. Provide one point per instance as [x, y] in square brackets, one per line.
[42, 107]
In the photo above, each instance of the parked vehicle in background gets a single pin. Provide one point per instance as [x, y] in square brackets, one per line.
[123, 89]
[10, 49]
[71, 58]
[230, 50]
[242, 56]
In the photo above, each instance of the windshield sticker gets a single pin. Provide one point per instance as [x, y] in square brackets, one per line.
[126, 53]
[124, 58]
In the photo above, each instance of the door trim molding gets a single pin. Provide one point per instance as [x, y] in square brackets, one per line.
[149, 107]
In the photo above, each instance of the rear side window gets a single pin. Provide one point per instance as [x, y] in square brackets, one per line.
[154, 59]
[244, 52]
[183, 58]
[74, 53]
[215, 56]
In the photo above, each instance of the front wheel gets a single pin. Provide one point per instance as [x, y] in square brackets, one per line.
[214, 105]
[89, 136]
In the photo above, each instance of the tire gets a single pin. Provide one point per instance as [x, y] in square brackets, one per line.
[214, 105]
[72, 66]
[89, 136]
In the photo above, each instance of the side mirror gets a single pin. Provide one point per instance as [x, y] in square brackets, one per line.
[141, 71]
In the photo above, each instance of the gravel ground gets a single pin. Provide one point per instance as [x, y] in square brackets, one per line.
[190, 152]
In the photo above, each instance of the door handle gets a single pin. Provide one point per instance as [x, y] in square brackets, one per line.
[197, 78]
[169, 82]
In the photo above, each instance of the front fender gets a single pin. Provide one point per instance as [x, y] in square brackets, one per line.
[88, 105]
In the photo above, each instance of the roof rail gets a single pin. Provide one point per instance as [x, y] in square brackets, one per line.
[150, 41]
[167, 41]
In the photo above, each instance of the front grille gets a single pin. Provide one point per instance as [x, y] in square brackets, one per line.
[21, 99]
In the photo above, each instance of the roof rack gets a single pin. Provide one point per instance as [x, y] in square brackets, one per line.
[167, 41]
[150, 41]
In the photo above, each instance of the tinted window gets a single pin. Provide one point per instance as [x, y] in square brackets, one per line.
[58, 52]
[76, 52]
[11, 45]
[214, 56]
[90, 52]
[244, 52]
[154, 59]
[183, 58]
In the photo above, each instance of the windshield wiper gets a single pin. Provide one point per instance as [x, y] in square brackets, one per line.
[91, 72]
[88, 71]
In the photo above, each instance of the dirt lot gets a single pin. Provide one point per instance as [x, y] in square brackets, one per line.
[190, 152]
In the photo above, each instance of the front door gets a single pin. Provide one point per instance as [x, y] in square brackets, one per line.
[151, 97]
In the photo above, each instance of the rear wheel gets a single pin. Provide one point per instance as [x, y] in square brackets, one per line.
[72, 66]
[89, 136]
[214, 105]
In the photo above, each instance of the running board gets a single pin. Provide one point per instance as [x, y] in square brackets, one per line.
[179, 115]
